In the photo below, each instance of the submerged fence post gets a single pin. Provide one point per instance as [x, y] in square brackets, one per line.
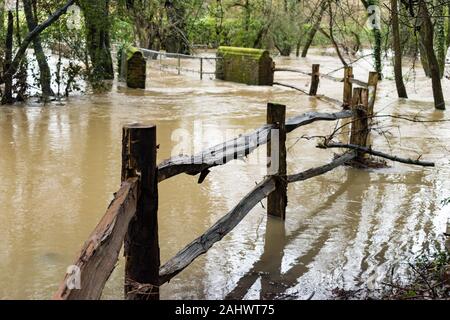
[315, 79]
[348, 87]
[179, 64]
[360, 122]
[277, 166]
[142, 256]
[372, 86]
[201, 68]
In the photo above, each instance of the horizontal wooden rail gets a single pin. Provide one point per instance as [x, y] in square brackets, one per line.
[237, 148]
[292, 70]
[226, 224]
[328, 77]
[318, 96]
[358, 82]
[221, 154]
[100, 253]
[314, 172]
[216, 233]
[325, 76]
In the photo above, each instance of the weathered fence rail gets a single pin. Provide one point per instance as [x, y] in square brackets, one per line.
[132, 216]
[100, 253]
[348, 81]
[239, 147]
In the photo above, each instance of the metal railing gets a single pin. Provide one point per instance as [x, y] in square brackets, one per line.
[177, 58]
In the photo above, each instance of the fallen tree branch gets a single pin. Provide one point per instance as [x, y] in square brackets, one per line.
[216, 233]
[311, 173]
[377, 153]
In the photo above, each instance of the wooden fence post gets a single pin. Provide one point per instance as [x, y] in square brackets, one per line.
[348, 87]
[179, 65]
[277, 166]
[372, 86]
[142, 256]
[315, 79]
[360, 122]
[201, 68]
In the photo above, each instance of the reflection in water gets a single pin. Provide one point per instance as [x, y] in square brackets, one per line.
[59, 166]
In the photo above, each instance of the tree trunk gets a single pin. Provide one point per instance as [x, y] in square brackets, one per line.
[313, 31]
[20, 54]
[377, 37]
[441, 47]
[377, 51]
[96, 14]
[2, 19]
[176, 41]
[7, 96]
[426, 37]
[2, 38]
[448, 25]
[424, 59]
[44, 70]
[396, 43]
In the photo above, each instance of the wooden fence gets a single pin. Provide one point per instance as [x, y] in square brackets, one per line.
[132, 217]
[348, 81]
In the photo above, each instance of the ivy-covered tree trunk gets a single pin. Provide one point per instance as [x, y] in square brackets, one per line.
[396, 44]
[96, 15]
[44, 70]
[176, 40]
[426, 37]
[377, 36]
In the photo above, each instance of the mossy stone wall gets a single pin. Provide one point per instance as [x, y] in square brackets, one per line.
[245, 65]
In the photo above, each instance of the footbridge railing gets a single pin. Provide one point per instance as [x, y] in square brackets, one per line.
[174, 62]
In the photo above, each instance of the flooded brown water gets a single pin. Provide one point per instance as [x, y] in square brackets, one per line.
[60, 164]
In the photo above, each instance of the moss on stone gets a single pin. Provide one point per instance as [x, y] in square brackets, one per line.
[134, 67]
[248, 52]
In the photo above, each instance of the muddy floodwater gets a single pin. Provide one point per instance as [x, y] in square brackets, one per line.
[60, 165]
